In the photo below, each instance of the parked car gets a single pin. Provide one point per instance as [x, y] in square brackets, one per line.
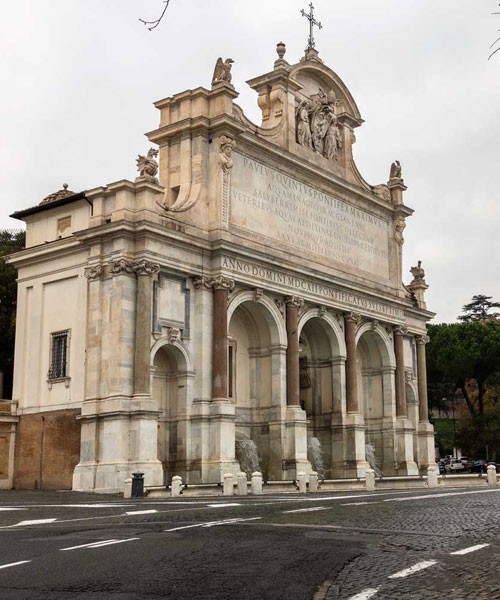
[481, 466]
[455, 466]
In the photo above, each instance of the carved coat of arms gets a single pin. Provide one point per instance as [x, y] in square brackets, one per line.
[317, 125]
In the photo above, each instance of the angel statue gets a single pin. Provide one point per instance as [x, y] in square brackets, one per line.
[222, 71]
[147, 165]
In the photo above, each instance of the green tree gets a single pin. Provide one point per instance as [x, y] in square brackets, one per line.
[10, 241]
[478, 309]
[463, 359]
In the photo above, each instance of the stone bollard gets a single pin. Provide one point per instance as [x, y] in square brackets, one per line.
[176, 487]
[370, 480]
[241, 480]
[256, 483]
[302, 482]
[313, 481]
[127, 488]
[492, 475]
[228, 488]
[432, 477]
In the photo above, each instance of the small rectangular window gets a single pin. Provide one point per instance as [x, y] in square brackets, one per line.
[59, 342]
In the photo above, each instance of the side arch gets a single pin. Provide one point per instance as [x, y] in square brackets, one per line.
[272, 314]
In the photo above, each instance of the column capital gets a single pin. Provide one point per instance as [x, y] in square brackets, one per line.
[145, 267]
[294, 301]
[400, 329]
[422, 339]
[94, 272]
[122, 266]
[353, 317]
[221, 283]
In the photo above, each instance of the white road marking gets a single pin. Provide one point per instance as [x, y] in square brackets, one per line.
[90, 545]
[312, 509]
[469, 549]
[360, 503]
[10, 508]
[214, 523]
[223, 505]
[443, 495]
[21, 562]
[34, 522]
[141, 512]
[365, 594]
[98, 544]
[425, 564]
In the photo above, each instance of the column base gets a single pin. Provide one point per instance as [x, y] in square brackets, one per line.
[109, 478]
[295, 455]
[426, 446]
[405, 458]
[355, 463]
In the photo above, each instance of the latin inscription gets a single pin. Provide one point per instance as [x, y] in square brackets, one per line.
[311, 288]
[276, 206]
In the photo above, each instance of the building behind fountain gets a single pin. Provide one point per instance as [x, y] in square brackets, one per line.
[247, 291]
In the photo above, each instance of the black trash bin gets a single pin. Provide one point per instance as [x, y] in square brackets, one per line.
[137, 485]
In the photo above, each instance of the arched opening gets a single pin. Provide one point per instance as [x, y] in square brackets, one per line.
[255, 363]
[376, 399]
[169, 389]
[321, 365]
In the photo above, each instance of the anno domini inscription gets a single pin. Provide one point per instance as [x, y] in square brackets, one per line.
[309, 288]
[269, 203]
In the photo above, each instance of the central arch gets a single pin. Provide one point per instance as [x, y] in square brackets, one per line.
[322, 389]
[376, 365]
[256, 386]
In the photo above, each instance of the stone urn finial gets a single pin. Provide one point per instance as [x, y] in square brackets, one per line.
[280, 49]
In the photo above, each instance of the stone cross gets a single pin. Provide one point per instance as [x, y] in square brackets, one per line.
[312, 22]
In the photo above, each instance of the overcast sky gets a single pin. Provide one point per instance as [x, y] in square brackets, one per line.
[78, 79]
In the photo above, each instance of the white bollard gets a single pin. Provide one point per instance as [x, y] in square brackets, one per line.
[241, 480]
[492, 475]
[313, 481]
[432, 477]
[370, 480]
[176, 487]
[302, 482]
[256, 483]
[228, 488]
[127, 488]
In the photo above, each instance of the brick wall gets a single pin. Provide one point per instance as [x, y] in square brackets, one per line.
[60, 452]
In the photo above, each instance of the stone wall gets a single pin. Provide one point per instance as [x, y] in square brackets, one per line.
[58, 448]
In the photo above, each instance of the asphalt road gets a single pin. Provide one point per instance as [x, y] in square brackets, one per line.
[383, 545]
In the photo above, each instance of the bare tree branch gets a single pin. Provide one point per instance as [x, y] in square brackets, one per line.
[496, 41]
[155, 23]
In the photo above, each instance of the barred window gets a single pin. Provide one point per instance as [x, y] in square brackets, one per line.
[58, 354]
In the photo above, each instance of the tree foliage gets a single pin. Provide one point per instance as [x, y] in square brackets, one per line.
[460, 353]
[10, 241]
[463, 361]
[478, 309]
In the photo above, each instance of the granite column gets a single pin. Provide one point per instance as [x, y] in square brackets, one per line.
[293, 303]
[221, 286]
[351, 320]
[401, 410]
[422, 378]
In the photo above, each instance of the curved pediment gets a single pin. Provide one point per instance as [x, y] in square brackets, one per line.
[316, 78]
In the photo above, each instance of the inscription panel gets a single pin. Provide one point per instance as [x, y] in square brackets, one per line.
[312, 290]
[279, 207]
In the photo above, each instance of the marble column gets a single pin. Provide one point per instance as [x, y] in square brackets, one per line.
[401, 410]
[144, 271]
[422, 378]
[293, 303]
[351, 320]
[221, 286]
